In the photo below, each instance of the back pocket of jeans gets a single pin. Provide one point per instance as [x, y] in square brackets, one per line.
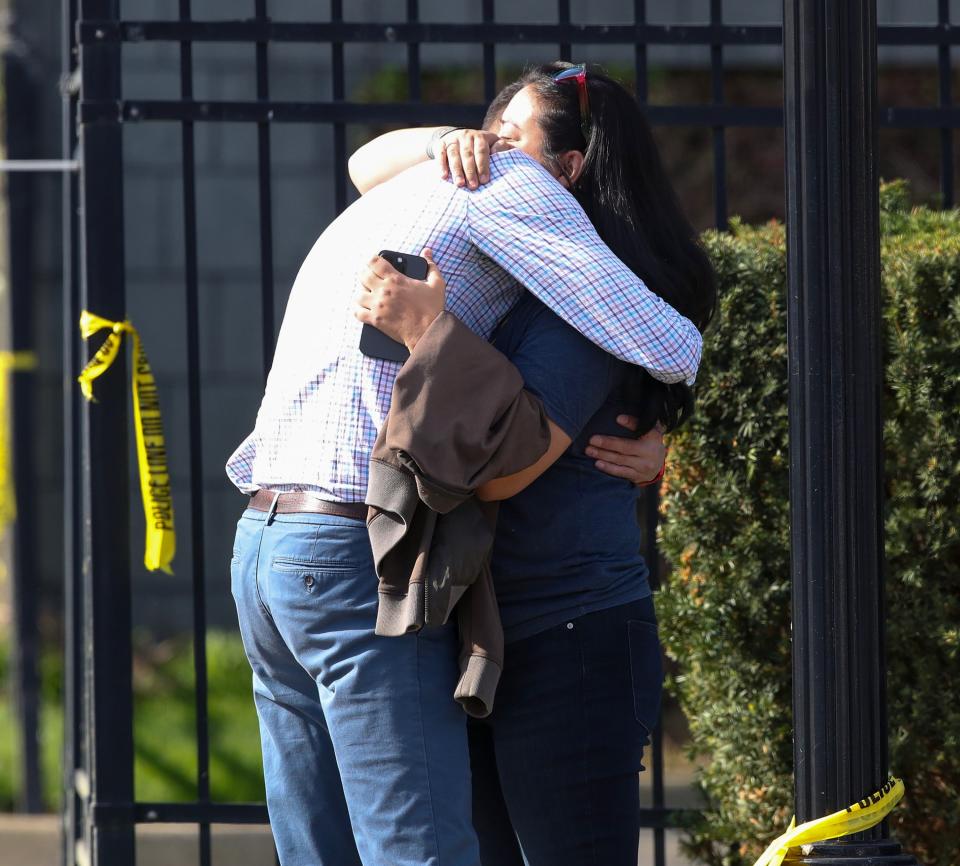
[297, 566]
[646, 672]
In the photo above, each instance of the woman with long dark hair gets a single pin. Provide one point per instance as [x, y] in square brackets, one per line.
[555, 765]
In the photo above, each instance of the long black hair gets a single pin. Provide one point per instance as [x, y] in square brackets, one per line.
[624, 190]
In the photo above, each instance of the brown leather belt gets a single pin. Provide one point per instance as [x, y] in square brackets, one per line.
[294, 502]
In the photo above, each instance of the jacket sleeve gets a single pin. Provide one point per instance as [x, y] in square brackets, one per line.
[460, 415]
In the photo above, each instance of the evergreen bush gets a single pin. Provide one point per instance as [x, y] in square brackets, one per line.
[725, 608]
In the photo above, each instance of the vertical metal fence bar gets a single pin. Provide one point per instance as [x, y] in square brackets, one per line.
[719, 132]
[946, 99]
[489, 56]
[413, 54]
[267, 302]
[563, 17]
[21, 137]
[651, 498]
[268, 326]
[651, 553]
[72, 829]
[339, 130]
[640, 55]
[195, 442]
[105, 472]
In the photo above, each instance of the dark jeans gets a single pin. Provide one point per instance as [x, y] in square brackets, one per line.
[555, 766]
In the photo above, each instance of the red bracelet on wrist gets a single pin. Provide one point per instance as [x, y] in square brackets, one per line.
[656, 478]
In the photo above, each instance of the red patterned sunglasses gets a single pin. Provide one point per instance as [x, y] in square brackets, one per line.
[578, 73]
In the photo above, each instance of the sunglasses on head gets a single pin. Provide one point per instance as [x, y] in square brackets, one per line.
[578, 73]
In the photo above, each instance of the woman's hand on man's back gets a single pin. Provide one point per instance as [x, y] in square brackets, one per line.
[638, 460]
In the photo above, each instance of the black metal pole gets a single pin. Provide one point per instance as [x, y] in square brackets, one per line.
[651, 553]
[104, 495]
[73, 668]
[21, 143]
[836, 459]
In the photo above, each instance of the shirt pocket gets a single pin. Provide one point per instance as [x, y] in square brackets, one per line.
[646, 672]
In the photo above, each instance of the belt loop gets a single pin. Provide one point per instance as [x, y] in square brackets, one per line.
[273, 508]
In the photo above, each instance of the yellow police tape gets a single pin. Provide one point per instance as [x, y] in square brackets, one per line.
[9, 363]
[161, 541]
[860, 816]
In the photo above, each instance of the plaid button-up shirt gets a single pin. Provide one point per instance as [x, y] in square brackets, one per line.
[325, 401]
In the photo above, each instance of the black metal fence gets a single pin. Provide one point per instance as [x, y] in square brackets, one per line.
[101, 810]
[20, 92]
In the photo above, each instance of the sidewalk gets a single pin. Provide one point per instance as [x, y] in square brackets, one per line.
[34, 840]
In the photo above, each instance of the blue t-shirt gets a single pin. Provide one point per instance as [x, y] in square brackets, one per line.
[569, 544]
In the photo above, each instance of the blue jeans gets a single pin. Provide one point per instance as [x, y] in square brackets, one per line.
[555, 765]
[364, 749]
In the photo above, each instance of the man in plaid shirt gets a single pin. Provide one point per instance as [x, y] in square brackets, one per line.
[364, 751]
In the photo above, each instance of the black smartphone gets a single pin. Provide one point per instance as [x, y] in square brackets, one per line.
[376, 344]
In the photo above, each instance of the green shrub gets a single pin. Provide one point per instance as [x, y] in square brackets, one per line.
[725, 610]
[165, 746]
[51, 734]
[165, 722]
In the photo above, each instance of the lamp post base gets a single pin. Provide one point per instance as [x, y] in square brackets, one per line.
[885, 852]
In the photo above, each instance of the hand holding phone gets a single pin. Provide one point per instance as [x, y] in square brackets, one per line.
[376, 344]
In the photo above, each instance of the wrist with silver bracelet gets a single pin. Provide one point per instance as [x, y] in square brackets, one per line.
[434, 139]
